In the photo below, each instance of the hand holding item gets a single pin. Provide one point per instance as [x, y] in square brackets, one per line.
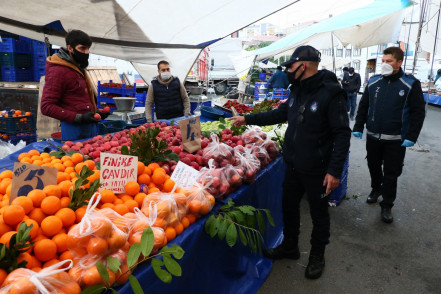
[238, 121]
[407, 143]
[90, 117]
[331, 183]
[357, 134]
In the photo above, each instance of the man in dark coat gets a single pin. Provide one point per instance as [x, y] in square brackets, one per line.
[68, 94]
[316, 145]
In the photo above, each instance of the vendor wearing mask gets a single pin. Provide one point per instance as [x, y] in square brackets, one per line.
[168, 94]
[67, 93]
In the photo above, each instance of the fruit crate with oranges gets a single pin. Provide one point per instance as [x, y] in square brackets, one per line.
[28, 138]
[14, 122]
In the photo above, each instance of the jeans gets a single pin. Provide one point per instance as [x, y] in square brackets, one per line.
[352, 104]
[294, 186]
[385, 161]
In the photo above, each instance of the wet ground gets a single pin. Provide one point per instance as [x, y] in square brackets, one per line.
[367, 255]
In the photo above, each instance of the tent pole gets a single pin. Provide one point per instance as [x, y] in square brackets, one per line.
[420, 27]
[333, 55]
[408, 36]
[433, 57]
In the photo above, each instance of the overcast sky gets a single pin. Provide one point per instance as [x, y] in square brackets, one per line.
[310, 10]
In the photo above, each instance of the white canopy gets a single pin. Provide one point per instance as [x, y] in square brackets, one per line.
[376, 23]
[141, 31]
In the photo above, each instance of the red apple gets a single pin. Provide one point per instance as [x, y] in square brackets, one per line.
[97, 116]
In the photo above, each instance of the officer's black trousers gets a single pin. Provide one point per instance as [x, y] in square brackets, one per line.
[294, 187]
[385, 161]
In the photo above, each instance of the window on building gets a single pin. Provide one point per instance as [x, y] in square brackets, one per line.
[348, 52]
[339, 53]
[356, 65]
[357, 52]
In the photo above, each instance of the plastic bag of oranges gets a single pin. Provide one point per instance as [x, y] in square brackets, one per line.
[143, 222]
[199, 200]
[96, 235]
[51, 280]
[170, 208]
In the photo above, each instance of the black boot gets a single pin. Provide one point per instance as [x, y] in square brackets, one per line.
[386, 215]
[373, 196]
[289, 248]
[316, 262]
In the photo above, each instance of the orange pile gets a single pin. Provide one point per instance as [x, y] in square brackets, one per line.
[47, 210]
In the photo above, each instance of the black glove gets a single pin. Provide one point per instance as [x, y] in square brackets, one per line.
[88, 118]
[104, 115]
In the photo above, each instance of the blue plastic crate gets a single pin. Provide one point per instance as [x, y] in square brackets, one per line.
[21, 60]
[139, 121]
[38, 60]
[14, 74]
[123, 92]
[38, 48]
[28, 138]
[140, 99]
[7, 45]
[14, 125]
[38, 72]
[111, 126]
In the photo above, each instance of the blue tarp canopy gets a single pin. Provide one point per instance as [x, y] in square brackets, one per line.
[377, 23]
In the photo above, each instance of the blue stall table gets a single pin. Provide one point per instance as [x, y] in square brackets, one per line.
[433, 99]
[210, 265]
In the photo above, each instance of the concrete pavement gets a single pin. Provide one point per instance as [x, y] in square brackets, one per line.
[366, 255]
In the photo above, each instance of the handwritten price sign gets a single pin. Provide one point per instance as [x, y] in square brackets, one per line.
[28, 177]
[117, 170]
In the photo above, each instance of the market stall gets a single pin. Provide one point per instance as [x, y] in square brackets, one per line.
[433, 99]
[230, 269]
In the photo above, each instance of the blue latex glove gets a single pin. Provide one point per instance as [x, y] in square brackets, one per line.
[357, 134]
[407, 143]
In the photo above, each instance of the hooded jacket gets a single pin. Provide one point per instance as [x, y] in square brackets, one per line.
[392, 105]
[318, 143]
[67, 91]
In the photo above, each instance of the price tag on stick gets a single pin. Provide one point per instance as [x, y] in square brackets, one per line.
[184, 175]
[117, 170]
[191, 133]
[235, 113]
[27, 177]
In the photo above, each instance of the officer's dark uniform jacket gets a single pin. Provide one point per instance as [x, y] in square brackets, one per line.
[320, 143]
[168, 100]
[392, 107]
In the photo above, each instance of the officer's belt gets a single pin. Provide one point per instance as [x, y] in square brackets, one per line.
[384, 136]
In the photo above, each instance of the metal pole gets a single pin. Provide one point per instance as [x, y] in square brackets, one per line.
[433, 56]
[333, 55]
[420, 26]
[408, 36]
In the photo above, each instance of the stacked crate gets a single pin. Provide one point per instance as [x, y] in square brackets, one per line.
[15, 60]
[16, 126]
[257, 94]
[280, 93]
[105, 95]
[22, 59]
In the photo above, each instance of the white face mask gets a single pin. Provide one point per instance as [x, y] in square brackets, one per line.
[386, 69]
[165, 75]
[351, 75]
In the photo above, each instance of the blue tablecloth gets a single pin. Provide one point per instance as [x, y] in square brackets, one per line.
[209, 265]
[433, 99]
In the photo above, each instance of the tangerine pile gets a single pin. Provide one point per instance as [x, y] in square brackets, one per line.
[55, 225]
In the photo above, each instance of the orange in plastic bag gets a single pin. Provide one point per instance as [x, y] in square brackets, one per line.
[50, 280]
